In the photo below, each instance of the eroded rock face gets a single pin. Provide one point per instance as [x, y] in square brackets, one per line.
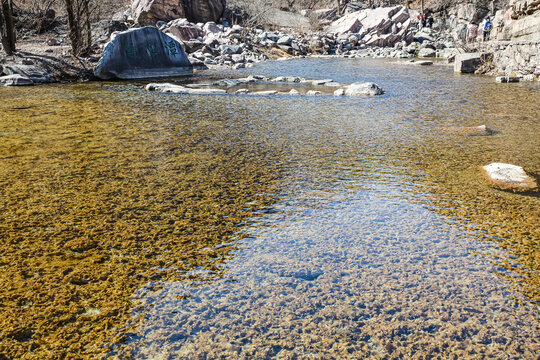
[382, 26]
[148, 12]
[142, 53]
[509, 177]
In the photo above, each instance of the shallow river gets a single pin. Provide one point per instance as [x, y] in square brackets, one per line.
[162, 226]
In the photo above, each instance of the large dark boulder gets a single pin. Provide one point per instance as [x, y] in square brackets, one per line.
[148, 12]
[142, 53]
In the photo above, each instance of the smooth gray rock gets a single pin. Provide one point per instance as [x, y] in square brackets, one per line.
[15, 80]
[230, 49]
[143, 53]
[321, 82]
[364, 89]
[285, 40]
[423, 63]
[31, 72]
[422, 36]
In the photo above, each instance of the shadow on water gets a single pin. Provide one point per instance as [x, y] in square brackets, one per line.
[146, 225]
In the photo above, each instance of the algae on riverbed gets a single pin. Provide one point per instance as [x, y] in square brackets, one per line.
[141, 225]
[93, 207]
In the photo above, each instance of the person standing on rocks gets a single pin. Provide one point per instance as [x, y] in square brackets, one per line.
[430, 21]
[472, 32]
[487, 29]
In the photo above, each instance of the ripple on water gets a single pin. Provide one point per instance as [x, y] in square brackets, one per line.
[157, 225]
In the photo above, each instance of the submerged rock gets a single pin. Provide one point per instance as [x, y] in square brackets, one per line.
[481, 130]
[143, 53]
[509, 177]
[364, 89]
[15, 80]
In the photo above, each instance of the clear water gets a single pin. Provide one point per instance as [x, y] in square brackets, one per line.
[154, 226]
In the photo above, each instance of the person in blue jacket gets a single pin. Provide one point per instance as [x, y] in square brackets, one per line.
[487, 29]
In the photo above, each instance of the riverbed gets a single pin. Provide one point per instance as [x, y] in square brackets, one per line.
[148, 225]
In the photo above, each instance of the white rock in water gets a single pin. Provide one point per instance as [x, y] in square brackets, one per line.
[177, 89]
[364, 89]
[269, 92]
[242, 91]
[509, 177]
[339, 92]
[481, 130]
[321, 82]
[313, 92]
[294, 92]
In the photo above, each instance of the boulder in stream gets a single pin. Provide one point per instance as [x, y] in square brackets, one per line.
[142, 53]
[178, 89]
[509, 177]
[364, 89]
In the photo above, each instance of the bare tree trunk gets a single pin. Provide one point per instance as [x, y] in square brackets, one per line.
[7, 27]
[80, 34]
[422, 6]
[73, 26]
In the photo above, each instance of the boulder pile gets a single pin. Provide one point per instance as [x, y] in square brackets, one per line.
[389, 32]
[383, 26]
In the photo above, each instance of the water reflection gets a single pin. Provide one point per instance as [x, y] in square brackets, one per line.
[246, 227]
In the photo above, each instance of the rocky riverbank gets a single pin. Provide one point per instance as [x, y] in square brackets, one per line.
[385, 32]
